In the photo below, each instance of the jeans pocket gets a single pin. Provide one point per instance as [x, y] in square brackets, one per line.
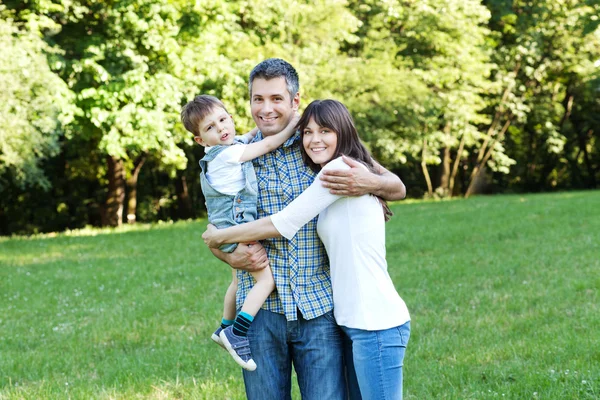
[330, 317]
[404, 332]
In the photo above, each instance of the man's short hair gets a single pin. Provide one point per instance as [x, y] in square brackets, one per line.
[196, 110]
[275, 68]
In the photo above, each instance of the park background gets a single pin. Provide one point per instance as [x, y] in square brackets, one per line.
[458, 97]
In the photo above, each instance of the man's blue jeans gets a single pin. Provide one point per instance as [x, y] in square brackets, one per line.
[313, 346]
[377, 358]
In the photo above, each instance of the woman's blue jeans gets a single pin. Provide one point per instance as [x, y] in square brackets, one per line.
[376, 358]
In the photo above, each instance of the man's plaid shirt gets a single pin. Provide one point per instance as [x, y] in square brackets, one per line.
[300, 266]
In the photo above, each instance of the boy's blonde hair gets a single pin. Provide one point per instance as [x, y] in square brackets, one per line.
[196, 110]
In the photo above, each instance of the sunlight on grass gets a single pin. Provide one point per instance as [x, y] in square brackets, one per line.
[503, 292]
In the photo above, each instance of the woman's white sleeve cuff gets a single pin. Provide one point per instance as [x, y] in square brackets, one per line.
[284, 227]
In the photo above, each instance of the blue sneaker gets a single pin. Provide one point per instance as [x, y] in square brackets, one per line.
[238, 347]
[215, 337]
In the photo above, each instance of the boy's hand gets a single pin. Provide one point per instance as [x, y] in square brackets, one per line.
[294, 120]
[250, 135]
[210, 236]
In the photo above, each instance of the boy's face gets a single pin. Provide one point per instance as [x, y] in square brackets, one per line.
[216, 128]
[271, 105]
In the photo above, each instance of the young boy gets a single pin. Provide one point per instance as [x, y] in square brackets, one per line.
[230, 189]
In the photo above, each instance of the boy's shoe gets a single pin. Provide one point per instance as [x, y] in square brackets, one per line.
[215, 337]
[238, 347]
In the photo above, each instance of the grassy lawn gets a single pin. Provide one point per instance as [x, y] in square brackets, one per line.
[504, 294]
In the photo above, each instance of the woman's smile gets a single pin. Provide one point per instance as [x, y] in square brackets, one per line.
[319, 142]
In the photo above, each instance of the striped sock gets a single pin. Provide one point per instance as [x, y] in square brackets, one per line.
[225, 323]
[242, 324]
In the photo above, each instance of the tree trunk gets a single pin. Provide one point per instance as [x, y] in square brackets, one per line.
[424, 168]
[500, 110]
[481, 165]
[455, 166]
[113, 215]
[446, 161]
[183, 198]
[586, 158]
[132, 189]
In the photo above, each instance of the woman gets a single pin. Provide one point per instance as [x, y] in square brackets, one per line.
[366, 304]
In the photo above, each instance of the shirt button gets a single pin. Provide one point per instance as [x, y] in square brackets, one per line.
[237, 209]
[239, 200]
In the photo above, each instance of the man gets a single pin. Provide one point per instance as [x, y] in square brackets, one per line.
[296, 325]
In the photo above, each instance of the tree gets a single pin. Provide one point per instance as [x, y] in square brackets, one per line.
[440, 53]
[35, 105]
[550, 49]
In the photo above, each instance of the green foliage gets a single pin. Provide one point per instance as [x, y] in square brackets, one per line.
[119, 61]
[468, 95]
[35, 106]
[548, 52]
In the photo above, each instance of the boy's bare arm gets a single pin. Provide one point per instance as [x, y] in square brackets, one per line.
[247, 137]
[269, 143]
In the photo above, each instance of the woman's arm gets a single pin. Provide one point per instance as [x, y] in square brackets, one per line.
[256, 230]
[285, 223]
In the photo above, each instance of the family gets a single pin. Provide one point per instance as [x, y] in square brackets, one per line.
[315, 292]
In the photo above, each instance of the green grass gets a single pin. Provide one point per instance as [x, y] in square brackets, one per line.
[503, 292]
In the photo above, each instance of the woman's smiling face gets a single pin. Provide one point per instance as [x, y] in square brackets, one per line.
[319, 142]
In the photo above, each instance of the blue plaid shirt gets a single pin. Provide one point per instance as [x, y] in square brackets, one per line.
[300, 266]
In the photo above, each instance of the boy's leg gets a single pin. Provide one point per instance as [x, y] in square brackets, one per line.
[228, 309]
[235, 338]
[318, 357]
[264, 286]
[229, 302]
[268, 342]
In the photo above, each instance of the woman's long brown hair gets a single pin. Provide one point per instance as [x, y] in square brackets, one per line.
[334, 115]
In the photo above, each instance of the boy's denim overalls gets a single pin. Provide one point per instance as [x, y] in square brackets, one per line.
[225, 210]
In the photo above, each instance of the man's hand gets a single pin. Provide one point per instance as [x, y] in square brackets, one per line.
[249, 257]
[355, 181]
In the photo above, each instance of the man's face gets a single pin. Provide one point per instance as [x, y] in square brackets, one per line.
[271, 105]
